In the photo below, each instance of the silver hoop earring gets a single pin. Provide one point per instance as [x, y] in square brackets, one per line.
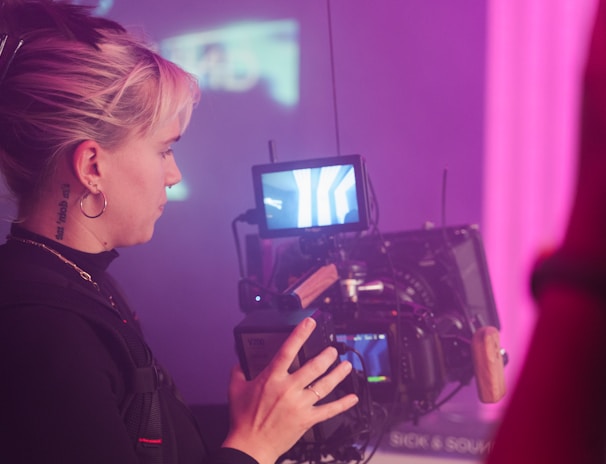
[84, 197]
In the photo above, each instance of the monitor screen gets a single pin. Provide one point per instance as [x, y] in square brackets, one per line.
[374, 350]
[322, 195]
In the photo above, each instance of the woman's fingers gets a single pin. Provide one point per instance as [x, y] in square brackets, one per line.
[321, 387]
[287, 353]
[317, 370]
[322, 412]
[272, 411]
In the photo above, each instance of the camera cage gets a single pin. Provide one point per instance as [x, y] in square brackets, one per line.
[427, 290]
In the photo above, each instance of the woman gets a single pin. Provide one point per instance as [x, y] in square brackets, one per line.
[88, 119]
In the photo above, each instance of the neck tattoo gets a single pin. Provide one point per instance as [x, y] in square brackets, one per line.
[83, 274]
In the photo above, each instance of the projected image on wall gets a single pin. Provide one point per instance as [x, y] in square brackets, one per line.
[241, 57]
[312, 197]
[245, 58]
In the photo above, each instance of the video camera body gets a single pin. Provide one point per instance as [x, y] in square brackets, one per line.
[408, 302]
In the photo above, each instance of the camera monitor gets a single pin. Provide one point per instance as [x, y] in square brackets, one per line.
[321, 195]
[374, 349]
[371, 349]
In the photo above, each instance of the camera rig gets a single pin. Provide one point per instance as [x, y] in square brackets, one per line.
[413, 311]
[413, 303]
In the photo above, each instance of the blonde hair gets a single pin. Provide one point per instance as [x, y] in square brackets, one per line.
[75, 78]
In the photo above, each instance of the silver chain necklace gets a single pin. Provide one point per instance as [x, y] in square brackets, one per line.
[83, 274]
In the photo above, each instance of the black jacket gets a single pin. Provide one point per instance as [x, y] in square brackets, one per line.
[70, 363]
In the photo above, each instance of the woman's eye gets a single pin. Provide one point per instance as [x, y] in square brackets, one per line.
[168, 152]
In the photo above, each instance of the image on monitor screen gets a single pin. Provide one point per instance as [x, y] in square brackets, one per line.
[327, 194]
[374, 349]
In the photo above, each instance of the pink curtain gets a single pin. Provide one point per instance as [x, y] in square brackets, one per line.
[535, 54]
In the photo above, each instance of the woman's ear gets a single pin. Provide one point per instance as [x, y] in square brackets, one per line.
[86, 162]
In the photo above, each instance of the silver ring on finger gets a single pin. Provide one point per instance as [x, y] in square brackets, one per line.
[314, 391]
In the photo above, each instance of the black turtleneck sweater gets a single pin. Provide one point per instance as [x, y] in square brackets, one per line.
[62, 384]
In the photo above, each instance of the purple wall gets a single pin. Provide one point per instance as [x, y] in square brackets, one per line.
[410, 90]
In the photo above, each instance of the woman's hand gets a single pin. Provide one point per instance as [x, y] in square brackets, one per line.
[272, 411]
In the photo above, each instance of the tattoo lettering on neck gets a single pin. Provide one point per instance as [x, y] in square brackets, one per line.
[62, 211]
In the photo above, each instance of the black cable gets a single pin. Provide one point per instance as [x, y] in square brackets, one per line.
[334, 83]
[250, 217]
[356, 353]
[234, 230]
[444, 178]
[398, 308]
[374, 222]
[447, 398]
[367, 408]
